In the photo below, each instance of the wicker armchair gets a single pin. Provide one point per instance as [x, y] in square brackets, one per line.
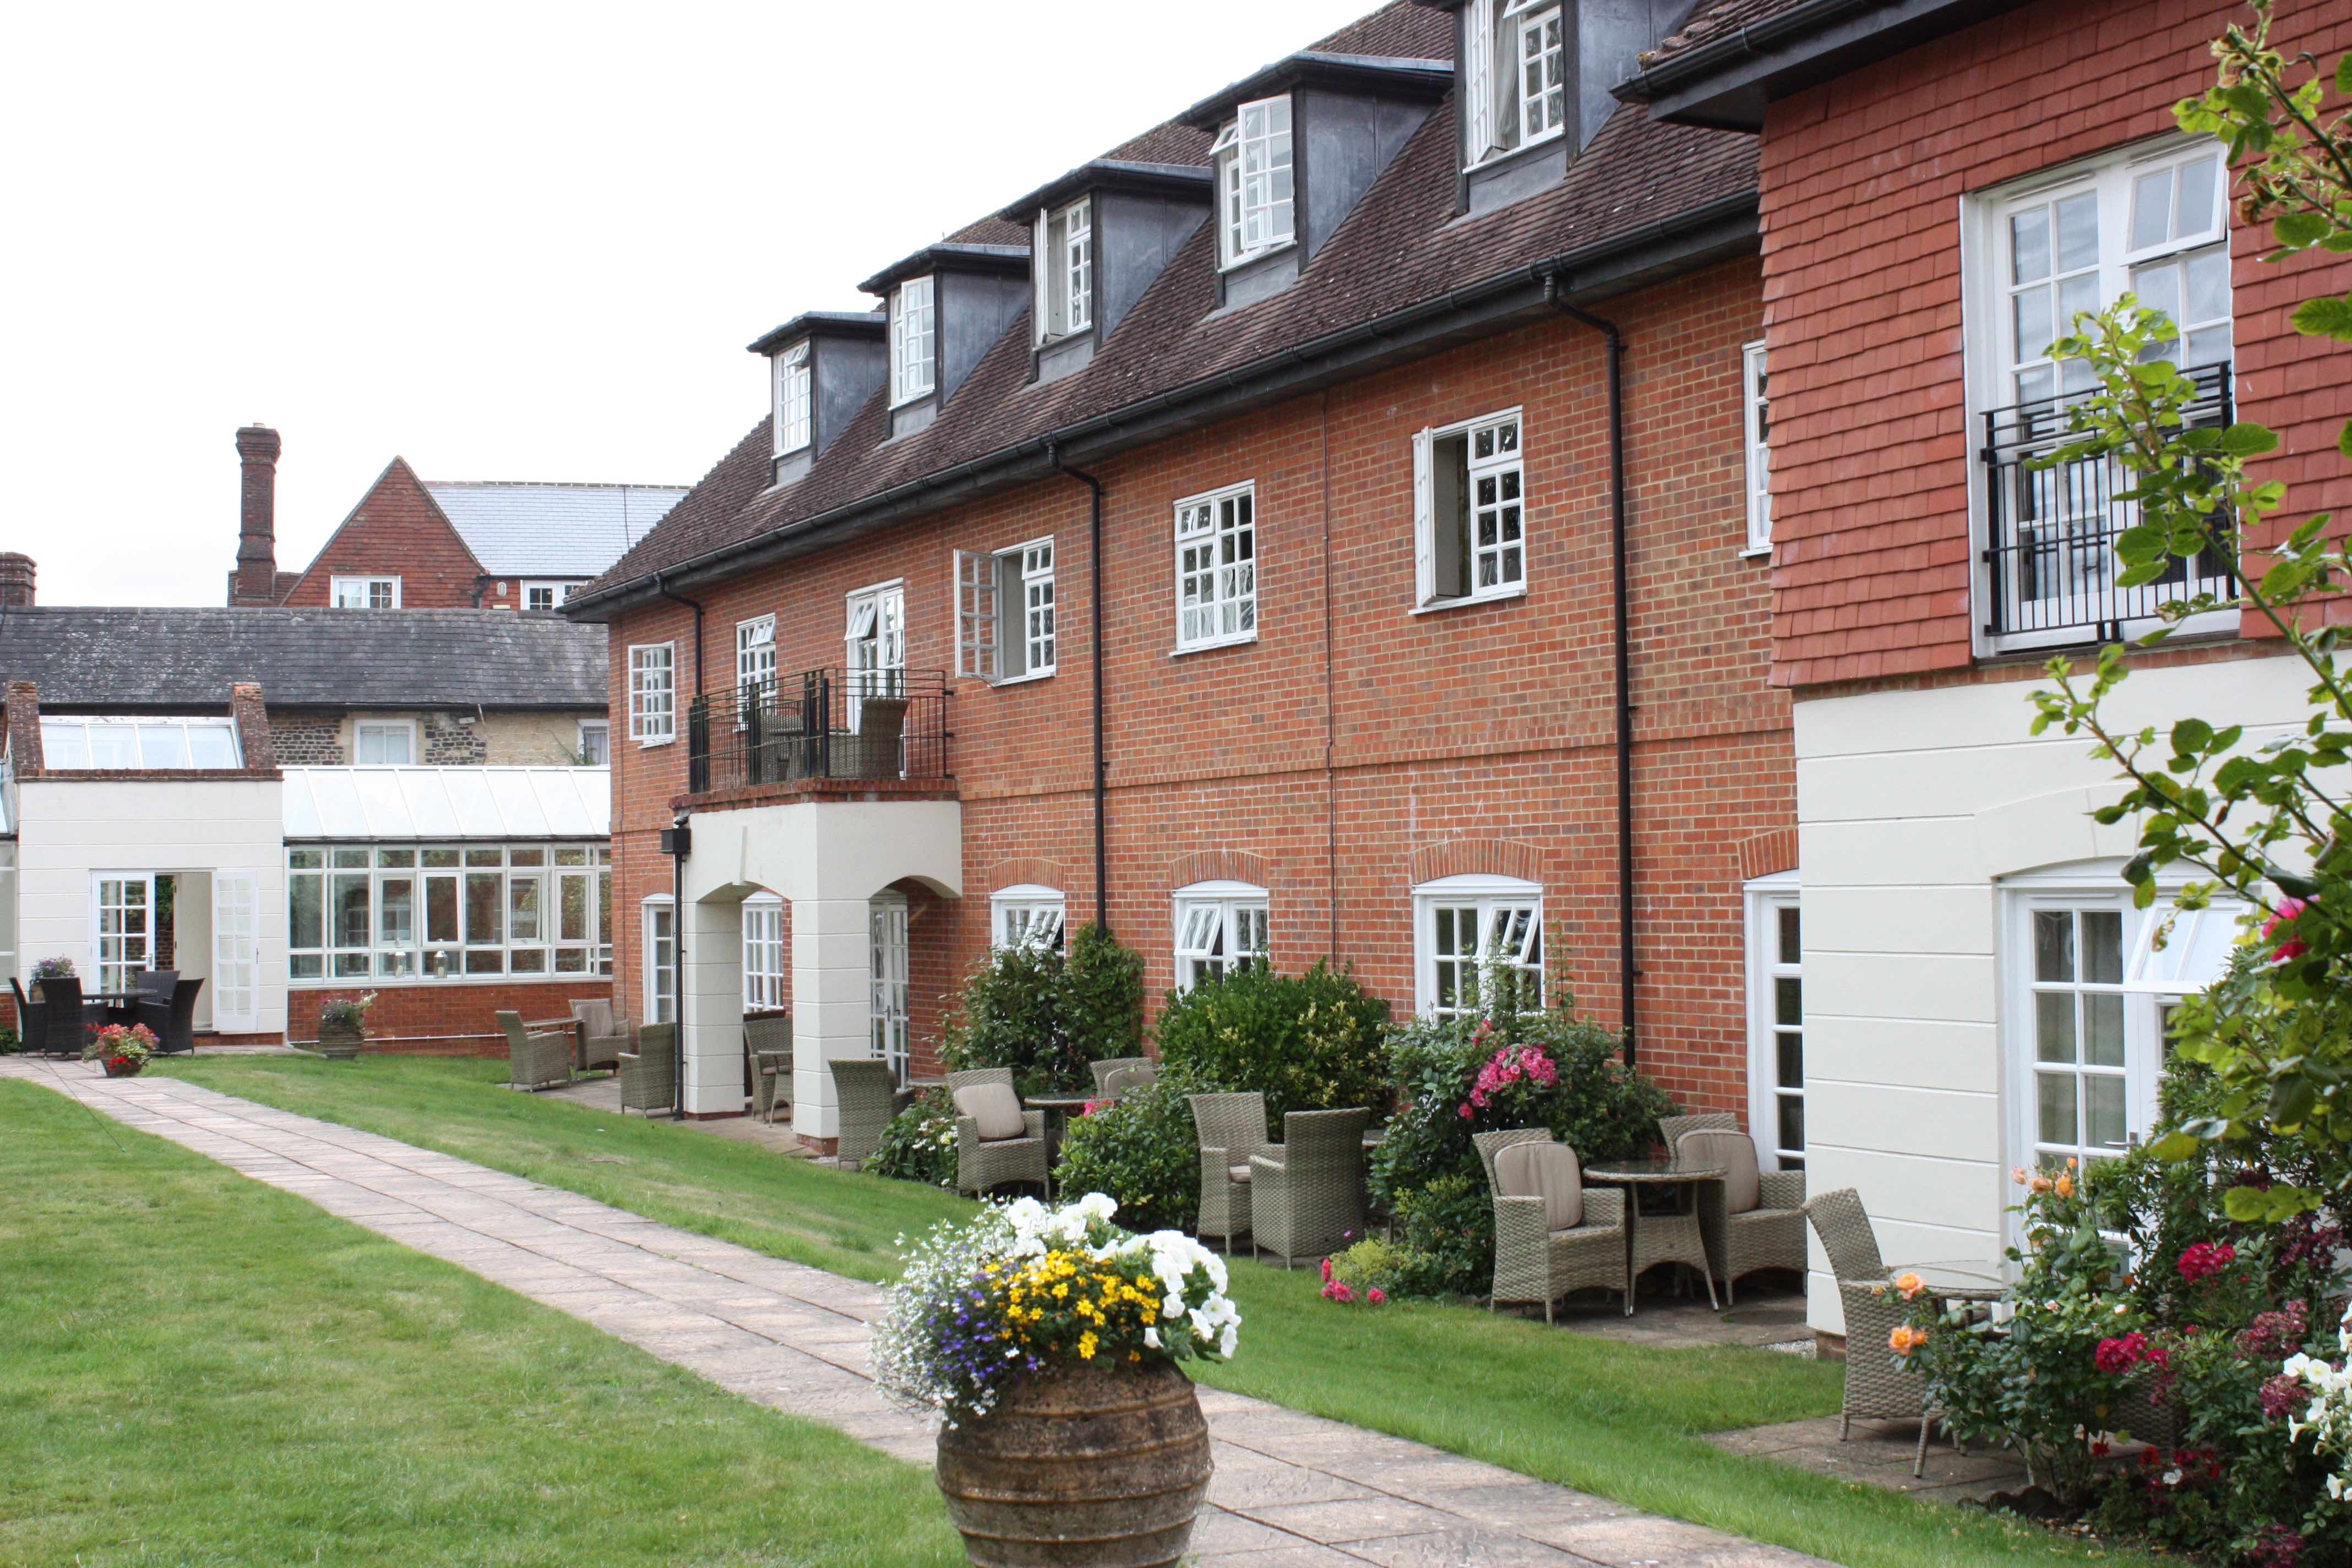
[649, 1074]
[1770, 1234]
[170, 1014]
[1877, 1387]
[1306, 1196]
[1231, 1129]
[1672, 1127]
[1533, 1262]
[1115, 1085]
[768, 1046]
[984, 1164]
[1109, 1065]
[601, 1035]
[868, 1094]
[535, 1058]
[67, 1022]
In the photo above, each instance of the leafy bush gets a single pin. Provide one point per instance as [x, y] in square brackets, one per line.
[1142, 1149]
[919, 1143]
[1371, 1271]
[1046, 1015]
[1447, 1226]
[1307, 1042]
[1102, 998]
[10, 1042]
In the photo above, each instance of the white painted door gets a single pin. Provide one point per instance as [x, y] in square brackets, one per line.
[123, 939]
[888, 1009]
[236, 952]
[874, 645]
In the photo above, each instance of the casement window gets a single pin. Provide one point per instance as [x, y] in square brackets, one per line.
[383, 743]
[1026, 915]
[873, 643]
[653, 693]
[1219, 925]
[1255, 180]
[1216, 568]
[1471, 933]
[755, 661]
[596, 743]
[109, 744]
[792, 425]
[887, 1016]
[546, 596]
[1755, 398]
[1515, 75]
[365, 592]
[447, 912]
[1064, 252]
[1469, 510]
[1017, 583]
[1776, 1015]
[914, 336]
[123, 934]
[763, 953]
[659, 955]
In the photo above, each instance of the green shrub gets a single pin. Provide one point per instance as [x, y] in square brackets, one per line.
[1446, 1227]
[919, 1143]
[1141, 1149]
[1047, 1015]
[1373, 1265]
[1307, 1042]
[1102, 998]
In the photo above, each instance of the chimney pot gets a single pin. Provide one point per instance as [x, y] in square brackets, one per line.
[15, 581]
[255, 581]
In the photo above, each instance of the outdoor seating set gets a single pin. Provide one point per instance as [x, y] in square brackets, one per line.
[1000, 1138]
[66, 1017]
[1302, 1197]
[546, 1053]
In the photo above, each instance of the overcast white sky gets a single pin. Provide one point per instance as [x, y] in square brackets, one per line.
[504, 241]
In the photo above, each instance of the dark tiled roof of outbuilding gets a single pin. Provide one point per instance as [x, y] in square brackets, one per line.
[1719, 20]
[97, 659]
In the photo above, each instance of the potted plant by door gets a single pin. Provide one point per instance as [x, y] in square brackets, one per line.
[121, 1048]
[1050, 1340]
[50, 969]
[342, 1026]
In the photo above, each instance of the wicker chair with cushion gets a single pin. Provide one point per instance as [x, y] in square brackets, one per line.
[156, 983]
[868, 1094]
[1118, 1083]
[69, 1021]
[1877, 1387]
[997, 1140]
[1306, 1196]
[171, 1017]
[1672, 1127]
[649, 1073]
[1231, 1129]
[602, 1037]
[535, 1058]
[1751, 1219]
[1552, 1233]
[1109, 1065]
[767, 1045]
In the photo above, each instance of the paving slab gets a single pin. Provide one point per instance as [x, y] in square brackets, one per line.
[1291, 1491]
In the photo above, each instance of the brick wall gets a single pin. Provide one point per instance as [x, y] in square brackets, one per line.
[1356, 747]
[397, 530]
[1863, 181]
[446, 1019]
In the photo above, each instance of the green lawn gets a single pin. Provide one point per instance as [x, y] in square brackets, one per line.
[1623, 1421]
[198, 1370]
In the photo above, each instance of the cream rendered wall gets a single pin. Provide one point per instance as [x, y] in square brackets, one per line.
[68, 832]
[1911, 807]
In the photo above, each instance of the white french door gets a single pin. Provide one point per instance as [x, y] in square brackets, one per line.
[886, 1009]
[236, 952]
[123, 935]
[2085, 1053]
[874, 645]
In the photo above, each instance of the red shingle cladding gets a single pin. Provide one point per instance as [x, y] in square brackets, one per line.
[1862, 182]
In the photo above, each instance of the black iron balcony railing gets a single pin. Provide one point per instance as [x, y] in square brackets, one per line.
[829, 723]
[2049, 532]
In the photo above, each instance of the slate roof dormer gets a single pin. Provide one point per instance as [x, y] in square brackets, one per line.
[842, 359]
[968, 294]
[1115, 224]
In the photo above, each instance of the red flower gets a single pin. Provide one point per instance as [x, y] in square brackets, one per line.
[1376, 1295]
[2288, 910]
[2099, 1448]
[1327, 1271]
[2205, 1258]
[2120, 1355]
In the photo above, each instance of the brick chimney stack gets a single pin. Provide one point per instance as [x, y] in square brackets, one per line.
[15, 581]
[255, 581]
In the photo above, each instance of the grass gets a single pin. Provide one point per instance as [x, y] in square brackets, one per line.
[1623, 1421]
[198, 1370]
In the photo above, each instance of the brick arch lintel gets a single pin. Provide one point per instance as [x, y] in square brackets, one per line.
[1767, 853]
[1477, 858]
[1032, 869]
[1217, 866]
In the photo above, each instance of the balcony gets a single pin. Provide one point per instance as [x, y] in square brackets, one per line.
[821, 725]
[2049, 532]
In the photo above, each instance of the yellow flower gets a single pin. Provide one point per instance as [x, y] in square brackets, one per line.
[1087, 1343]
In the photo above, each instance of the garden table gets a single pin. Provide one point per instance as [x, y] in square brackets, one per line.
[1059, 1110]
[113, 1006]
[1661, 1238]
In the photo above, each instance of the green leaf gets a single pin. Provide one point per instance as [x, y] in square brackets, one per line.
[2298, 230]
[2192, 736]
[2246, 439]
[2344, 437]
[2175, 1147]
[2344, 74]
[2328, 316]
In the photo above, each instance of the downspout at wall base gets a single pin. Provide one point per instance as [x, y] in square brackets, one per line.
[1095, 595]
[661, 586]
[1622, 637]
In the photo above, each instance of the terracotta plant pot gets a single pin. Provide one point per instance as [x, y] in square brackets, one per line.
[1089, 1467]
[340, 1042]
[121, 1070]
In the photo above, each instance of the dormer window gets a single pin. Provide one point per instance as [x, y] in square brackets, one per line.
[1253, 179]
[792, 429]
[1515, 75]
[1065, 251]
[914, 336]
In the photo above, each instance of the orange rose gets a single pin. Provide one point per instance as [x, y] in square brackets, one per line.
[2064, 1184]
[1906, 1338]
[1909, 1284]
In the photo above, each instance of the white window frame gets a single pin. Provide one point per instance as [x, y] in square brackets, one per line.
[913, 341]
[989, 583]
[1257, 181]
[525, 885]
[1027, 914]
[1219, 923]
[766, 966]
[1756, 415]
[889, 1012]
[74, 742]
[405, 728]
[653, 703]
[658, 978]
[1505, 466]
[1222, 523]
[755, 659]
[556, 589]
[794, 421]
[1496, 106]
[600, 731]
[1769, 965]
[117, 956]
[1506, 909]
[362, 593]
[1064, 246]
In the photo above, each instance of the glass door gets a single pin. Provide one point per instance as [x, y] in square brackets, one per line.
[124, 942]
[2085, 1047]
[887, 1008]
[876, 646]
[236, 952]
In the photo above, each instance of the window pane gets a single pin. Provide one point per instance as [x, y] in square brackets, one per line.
[2104, 1096]
[1788, 1000]
[1792, 1124]
[2054, 1026]
[2103, 1031]
[1792, 949]
[2151, 219]
[1791, 1054]
[2103, 947]
[2078, 232]
[522, 910]
[2028, 246]
[441, 909]
[305, 916]
[2195, 206]
[163, 746]
[350, 912]
[2053, 945]
[483, 926]
[2054, 1102]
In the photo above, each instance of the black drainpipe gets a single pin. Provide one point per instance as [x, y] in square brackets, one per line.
[679, 839]
[661, 586]
[1094, 593]
[1624, 641]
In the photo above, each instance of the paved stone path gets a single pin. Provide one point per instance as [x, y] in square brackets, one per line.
[1291, 1491]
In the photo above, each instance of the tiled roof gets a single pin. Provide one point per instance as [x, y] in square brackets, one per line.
[1715, 21]
[1403, 245]
[518, 529]
[97, 659]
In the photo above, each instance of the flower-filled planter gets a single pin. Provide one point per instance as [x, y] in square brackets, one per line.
[342, 1026]
[49, 969]
[121, 1050]
[1049, 1340]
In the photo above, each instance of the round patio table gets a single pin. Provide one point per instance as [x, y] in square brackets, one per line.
[1059, 1110]
[1661, 1238]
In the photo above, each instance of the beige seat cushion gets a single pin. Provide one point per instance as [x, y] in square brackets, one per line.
[1542, 1169]
[1239, 1173]
[1736, 1153]
[597, 1014]
[994, 1108]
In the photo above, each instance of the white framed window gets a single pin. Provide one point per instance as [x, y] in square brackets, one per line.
[123, 927]
[1255, 180]
[1514, 75]
[69, 742]
[595, 743]
[1469, 510]
[1757, 406]
[356, 912]
[653, 693]
[763, 953]
[365, 592]
[755, 661]
[546, 594]
[1026, 915]
[1776, 1021]
[887, 1012]
[1467, 929]
[659, 956]
[914, 337]
[1218, 925]
[991, 585]
[1064, 252]
[383, 742]
[792, 404]
[1216, 568]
